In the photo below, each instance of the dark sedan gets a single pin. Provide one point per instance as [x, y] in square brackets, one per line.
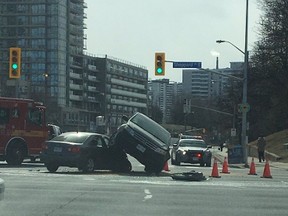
[86, 151]
[192, 151]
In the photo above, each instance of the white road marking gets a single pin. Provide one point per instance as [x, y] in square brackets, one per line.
[148, 195]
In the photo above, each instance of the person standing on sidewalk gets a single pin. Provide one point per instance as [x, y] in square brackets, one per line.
[261, 143]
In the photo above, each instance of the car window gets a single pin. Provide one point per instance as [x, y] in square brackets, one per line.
[106, 140]
[99, 142]
[192, 143]
[74, 138]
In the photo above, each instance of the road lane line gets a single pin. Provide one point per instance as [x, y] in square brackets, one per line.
[148, 195]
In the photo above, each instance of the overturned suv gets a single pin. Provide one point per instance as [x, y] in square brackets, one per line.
[145, 140]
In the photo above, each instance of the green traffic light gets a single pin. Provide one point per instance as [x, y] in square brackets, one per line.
[14, 66]
[159, 70]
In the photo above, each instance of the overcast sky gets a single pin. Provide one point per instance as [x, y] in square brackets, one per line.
[186, 30]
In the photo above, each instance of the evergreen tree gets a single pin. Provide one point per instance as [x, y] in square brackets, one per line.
[268, 77]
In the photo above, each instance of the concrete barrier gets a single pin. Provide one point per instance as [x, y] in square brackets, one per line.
[2, 189]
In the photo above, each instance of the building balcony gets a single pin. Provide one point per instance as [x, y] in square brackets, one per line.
[75, 75]
[128, 103]
[128, 94]
[92, 99]
[93, 78]
[92, 68]
[92, 89]
[75, 86]
[76, 30]
[76, 20]
[127, 84]
[76, 97]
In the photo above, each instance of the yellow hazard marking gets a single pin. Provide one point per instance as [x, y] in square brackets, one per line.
[31, 133]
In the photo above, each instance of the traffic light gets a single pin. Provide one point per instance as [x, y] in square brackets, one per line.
[15, 63]
[159, 64]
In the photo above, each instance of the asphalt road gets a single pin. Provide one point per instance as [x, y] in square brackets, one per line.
[31, 190]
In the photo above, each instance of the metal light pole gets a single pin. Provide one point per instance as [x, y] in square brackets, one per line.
[244, 97]
[244, 113]
[46, 76]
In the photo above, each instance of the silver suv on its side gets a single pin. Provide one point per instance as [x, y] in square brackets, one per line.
[144, 139]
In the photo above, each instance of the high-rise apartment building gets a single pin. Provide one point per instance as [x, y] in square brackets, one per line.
[51, 36]
[207, 86]
[56, 71]
[124, 90]
[163, 94]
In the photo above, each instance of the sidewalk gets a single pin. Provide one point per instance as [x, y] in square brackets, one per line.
[220, 156]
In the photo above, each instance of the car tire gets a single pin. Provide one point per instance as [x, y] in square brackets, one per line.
[52, 167]
[88, 166]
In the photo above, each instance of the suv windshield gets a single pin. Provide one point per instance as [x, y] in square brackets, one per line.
[151, 127]
[192, 143]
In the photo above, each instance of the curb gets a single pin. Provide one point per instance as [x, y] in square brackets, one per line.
[2, 189]
[274, 164]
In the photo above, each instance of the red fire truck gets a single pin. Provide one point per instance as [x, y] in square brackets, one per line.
[23, 129]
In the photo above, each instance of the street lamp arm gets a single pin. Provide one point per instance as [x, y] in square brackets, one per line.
[224, 41]
[221, 74]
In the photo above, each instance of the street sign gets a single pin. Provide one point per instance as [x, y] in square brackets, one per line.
[187, 64]
[233, 132]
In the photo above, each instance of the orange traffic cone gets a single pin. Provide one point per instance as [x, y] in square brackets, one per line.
[166, 168]
[225, 167]
[252, 168]
[266, 172]
[214, 173]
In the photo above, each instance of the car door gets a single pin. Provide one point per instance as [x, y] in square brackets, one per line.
[98, 151]
[106, 153]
